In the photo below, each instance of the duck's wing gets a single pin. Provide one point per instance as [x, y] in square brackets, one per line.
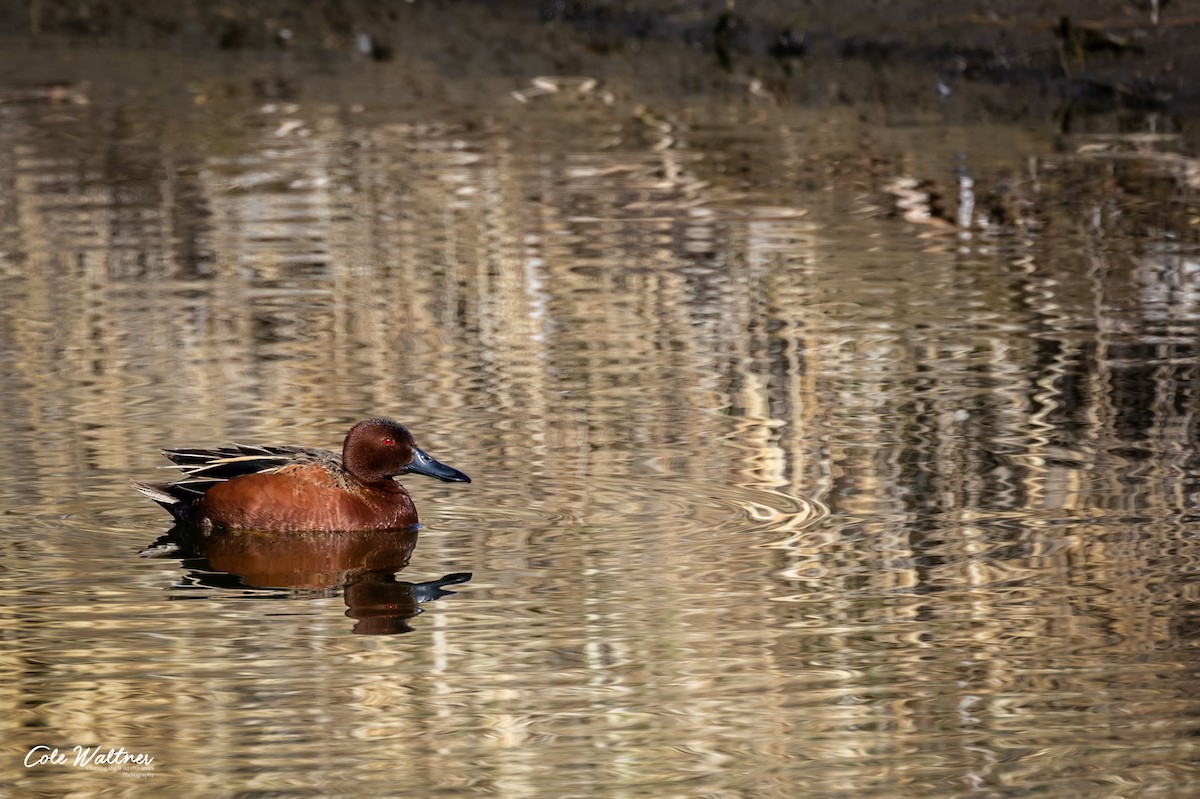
[202, 468]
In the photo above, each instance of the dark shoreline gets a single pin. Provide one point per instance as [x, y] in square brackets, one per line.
[1034, 58]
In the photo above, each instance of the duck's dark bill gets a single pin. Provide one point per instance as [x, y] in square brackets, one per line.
[423, 464]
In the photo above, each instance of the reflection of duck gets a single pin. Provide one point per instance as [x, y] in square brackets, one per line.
[364, 563]
[295, 488]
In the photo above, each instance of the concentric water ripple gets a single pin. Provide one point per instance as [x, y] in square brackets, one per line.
[624, 505]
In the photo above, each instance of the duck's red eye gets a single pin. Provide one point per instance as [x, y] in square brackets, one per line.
[387, 442]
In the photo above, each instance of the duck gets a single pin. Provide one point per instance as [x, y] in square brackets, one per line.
[291, 488]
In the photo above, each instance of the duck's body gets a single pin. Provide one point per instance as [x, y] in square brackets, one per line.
[294, 488]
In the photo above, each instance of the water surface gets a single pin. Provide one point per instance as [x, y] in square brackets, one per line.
[816, 452]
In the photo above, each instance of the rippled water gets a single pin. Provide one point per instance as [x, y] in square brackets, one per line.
[812, 455]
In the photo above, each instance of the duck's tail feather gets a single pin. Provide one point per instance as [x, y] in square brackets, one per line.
[176, 500]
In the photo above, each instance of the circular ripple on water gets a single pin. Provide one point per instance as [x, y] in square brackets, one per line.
[628, 505]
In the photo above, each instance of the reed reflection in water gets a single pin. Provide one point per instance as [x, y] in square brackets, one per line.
[781, 487]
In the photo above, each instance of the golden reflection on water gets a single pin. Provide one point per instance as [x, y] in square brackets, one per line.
[776, 492]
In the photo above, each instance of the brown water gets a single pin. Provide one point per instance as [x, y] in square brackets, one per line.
[783, 487]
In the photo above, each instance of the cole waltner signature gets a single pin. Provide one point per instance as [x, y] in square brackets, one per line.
[84, 757]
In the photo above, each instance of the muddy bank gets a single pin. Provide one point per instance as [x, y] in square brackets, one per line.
[1007, 60]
